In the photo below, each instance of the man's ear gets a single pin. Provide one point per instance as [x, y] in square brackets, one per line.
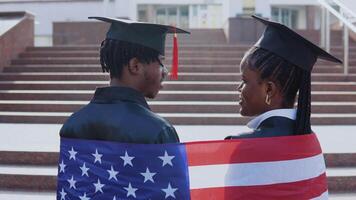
[134, 66]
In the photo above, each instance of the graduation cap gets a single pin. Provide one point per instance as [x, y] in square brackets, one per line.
[297, 50]
[146, 34]
[291, 46]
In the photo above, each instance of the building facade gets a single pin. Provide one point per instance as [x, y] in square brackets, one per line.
[301, 14]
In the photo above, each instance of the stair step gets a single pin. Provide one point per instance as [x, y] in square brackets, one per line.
[23, 158]
[28, 195]
[28, 182]
[86, 95]
[168, 53]
[185, 47]
[210, 47]
[48, 183]
[99, 76]
[97, 68]
[169, 85]
[174, 107]
[95, 54]
[182, 60]
[182, 68]
[175, 118]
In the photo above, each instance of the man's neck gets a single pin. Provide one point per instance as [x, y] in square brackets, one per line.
[122, 83]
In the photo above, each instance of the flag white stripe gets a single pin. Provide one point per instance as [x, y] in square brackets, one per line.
[258, 173]
[324, 196]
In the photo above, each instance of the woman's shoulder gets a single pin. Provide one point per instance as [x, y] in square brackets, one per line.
[271, 127]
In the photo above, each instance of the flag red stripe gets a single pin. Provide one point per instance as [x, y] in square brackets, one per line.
[306, 189]
[252, 150]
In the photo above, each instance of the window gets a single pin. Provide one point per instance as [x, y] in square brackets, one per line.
[287, 16]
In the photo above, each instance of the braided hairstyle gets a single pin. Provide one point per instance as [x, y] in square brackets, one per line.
[289, 78]
[115, 54]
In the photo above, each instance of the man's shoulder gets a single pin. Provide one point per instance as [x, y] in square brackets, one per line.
[121, 122]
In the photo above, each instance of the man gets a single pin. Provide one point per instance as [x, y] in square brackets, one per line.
[132, 53]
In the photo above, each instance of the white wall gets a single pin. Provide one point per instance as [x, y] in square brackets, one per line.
[263, 7]
[49, 12]
[294, 2]
[302, 18]
[351, 4]
[231, 8]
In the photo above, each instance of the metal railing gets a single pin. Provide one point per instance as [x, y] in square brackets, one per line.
[346, 16]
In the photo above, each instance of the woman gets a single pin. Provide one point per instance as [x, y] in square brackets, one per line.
[273, 71]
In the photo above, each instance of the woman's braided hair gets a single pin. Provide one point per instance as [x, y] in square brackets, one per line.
[289, 78]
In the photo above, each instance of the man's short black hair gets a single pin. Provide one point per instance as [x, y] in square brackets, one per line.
[115, 54]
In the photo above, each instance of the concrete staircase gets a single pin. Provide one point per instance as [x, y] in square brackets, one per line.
[47, 84]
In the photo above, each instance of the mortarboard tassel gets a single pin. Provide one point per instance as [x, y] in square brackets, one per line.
[174, 71]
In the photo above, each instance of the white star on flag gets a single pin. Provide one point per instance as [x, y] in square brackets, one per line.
[84, 197]
[148, 176]
[72, 183]
[112, 173]
[169, 191]
[99, 186]
[130, 191]
[167, 159]
[127, 159]
[61, 167]
[63, 194]
[84, 170]
[72, 154]
[97, 156]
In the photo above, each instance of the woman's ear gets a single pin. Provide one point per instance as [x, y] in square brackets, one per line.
[134, 66]
[271, 89]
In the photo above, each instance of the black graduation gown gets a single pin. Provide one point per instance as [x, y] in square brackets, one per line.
[270, 127]
[119, 114]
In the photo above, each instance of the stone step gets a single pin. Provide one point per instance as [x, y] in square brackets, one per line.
[210, 47]
[340, 159]
[99, 76]
[95, 54]
[181, 65]
[30, 195]
[51, 159]
[190, 61]
[45, 183]
[164, 107]
[168, 85]
[182, 60]
[85, 95]
[182, 68]
[168, 53]
[175, 118]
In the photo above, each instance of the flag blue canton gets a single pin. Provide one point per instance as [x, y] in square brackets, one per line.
[91, 170]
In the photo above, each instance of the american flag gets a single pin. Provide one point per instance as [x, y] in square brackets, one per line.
[290, 167]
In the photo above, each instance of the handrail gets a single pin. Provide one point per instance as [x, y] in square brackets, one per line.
[347, 17]
[345, 8]
[337, 14]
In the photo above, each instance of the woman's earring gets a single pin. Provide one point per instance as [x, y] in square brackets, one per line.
[268, 100]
